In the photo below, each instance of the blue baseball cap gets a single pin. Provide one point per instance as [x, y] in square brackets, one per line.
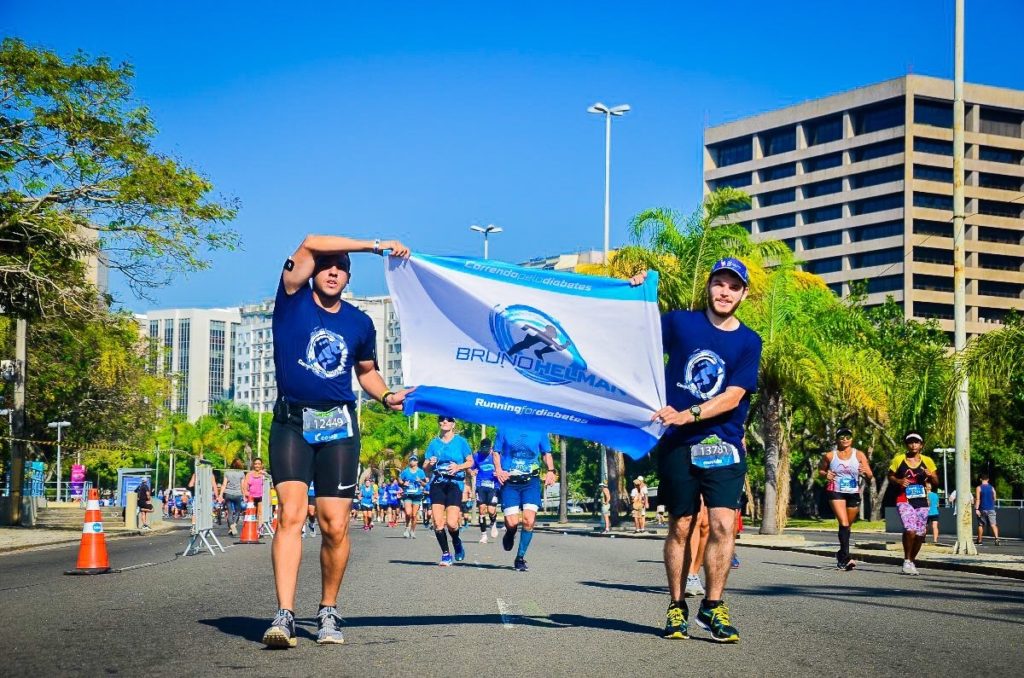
[733, 266]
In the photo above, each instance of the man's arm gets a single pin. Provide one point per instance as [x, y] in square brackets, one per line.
[371, 381]
[304, 258]
[726, 401]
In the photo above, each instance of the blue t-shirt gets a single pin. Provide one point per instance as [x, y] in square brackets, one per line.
[702, 362]
[449, 453]
[483, 462]
[414, 481]
[933, 503]
[394, 489]
[987, 499]
[520, 450]
[366, 494]
[314, 350]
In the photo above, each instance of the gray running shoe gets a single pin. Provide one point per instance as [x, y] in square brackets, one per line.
[328, 623]
[693, 586]
[281, 633]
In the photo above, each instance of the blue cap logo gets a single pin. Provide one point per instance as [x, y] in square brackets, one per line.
[734, 266]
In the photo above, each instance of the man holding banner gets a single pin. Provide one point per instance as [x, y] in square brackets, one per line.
[712, 371]
[318, 341]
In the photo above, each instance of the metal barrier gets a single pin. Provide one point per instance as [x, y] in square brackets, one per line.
[202, 504]
[266, 516]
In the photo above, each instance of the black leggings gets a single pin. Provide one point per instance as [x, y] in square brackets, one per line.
[332, 467]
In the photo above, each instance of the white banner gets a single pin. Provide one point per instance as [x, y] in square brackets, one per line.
[493, 343]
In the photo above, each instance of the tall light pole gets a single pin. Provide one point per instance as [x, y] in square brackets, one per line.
[961, 438]
[9, 413]
[60, 426]
[486, 230]
[259, 406]
[945, 474]
[608, 113]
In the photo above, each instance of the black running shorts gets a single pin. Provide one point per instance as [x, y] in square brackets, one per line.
[852, 499]
[332, 466]
[486, 496]
[445, 493]
[682, 485]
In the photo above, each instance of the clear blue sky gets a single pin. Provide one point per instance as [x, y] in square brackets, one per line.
[414, 120]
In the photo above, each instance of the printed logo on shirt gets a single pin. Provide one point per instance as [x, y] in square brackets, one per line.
[704, 374]
[326, 354]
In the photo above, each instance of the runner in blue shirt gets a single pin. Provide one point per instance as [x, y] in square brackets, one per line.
[487, 487]
[448, 455]
[412, 480]
[394, 502]
[310, 513]
[366, 502]
[517, 456]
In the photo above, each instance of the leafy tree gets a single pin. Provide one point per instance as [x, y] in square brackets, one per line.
[80, 178]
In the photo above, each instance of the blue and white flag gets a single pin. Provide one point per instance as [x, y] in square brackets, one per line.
[504, 345]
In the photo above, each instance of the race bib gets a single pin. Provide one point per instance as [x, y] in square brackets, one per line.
[915, 492]
[713, 452]
[326, 426]
[487, 483]
[847, 484]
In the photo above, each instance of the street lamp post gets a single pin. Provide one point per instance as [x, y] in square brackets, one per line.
[259, 406]
[945, 474]
[60, 426]
[9, 413]
[607, 112]
[486, 230]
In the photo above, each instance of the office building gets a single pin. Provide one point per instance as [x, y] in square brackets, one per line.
[195, 347]
[859, 184]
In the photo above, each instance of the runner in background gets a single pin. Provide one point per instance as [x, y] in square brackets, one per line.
[367, 500]
[448, 456]
[310, 525]
[843, 467]
[413, 481]
[486, 491]
[909, 472]
[394, 502]
[517, 463]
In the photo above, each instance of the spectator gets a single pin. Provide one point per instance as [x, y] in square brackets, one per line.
[985, 508]
[933, 511]
[145, 496]
[606, 507]
[641, 502]
[231, 494]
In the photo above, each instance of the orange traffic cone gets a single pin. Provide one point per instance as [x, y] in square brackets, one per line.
[92, 552]
[250, 528]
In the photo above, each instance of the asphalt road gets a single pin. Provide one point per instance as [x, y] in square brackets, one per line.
[588, 606]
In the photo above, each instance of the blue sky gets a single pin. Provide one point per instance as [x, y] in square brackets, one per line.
[414, 120]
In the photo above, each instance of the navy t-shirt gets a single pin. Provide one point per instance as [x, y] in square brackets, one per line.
[702, 362]
[314, 350]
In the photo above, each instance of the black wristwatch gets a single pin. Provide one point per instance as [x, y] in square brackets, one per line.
[695, 411]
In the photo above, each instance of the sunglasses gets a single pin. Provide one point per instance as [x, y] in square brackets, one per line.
[845, 437]
[451, 419]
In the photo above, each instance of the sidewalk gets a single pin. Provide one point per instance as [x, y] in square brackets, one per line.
[21, 538]
[869, 547]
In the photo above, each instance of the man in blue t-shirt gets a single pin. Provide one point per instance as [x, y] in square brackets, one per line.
[413, 480]
[517, 457]
[487, 487]
[319, 341]
[712, 369]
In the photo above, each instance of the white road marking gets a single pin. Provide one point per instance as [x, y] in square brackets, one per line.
[135, 567]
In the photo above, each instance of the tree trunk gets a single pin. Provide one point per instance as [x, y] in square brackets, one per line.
[809, 500]
[771, 427]
[751, 504]
[784, 484]
[615, 480]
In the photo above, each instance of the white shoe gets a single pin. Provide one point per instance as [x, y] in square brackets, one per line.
[913, 569]
[693, 586]
[406, 533]
[412, 535]
[494, 531]
[908, 567]
[483, 538]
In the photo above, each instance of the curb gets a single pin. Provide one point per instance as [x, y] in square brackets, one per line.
[110, 536]
[992, 570]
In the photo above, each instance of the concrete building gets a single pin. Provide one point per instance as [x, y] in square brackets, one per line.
[196, 347]
[255, 381]
[567, 262]
[859, 184]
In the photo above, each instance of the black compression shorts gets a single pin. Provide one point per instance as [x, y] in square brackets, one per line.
[852, 499]
[332, 466]
[445, 493]
[682, 485]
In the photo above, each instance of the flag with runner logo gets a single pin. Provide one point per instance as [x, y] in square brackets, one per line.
[504, 345]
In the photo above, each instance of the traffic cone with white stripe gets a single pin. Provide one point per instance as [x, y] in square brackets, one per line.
[250, 527]
[92, 552]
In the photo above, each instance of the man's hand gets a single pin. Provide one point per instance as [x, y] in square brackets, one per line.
[669, 416]
[549, 478]
[501, 475]
[396, 399]
[638, 279]
[396, 248]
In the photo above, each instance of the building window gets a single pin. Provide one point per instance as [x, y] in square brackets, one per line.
[778, 172]
[790, 243]
[733, 152]
[924, 309]
[885, 283]
[823, 130]
[933, 201]
[1000, 181]
[995, 288]
[827, 213]
[217, 338]
[823, 188]
[1004, 235]
[184, 339]
[997, 208]
[777, 222]
[168, 346]
[818, 240]
[933, 283]
[735, 181]
[933, 146]
[154, 347]
[929, 173]
[879, 150]
[747, 226]
[885, 175]
[933, 255]
[1003, 123]
[991, 315]
[837, 288]
[877, 204]
[992, 154]
[876, 231]
[822, 162]
[826, 265]
[777, 197]
[943, 229]
[778, 141]
[1000, 262]
[885, 115]
[876, 258]
[934, 113]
